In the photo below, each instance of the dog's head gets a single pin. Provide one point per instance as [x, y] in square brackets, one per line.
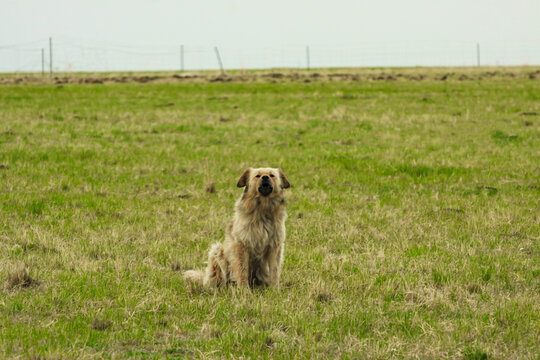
[265, 182]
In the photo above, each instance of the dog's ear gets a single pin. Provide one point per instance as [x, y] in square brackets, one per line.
[243, 181]
[284, 182]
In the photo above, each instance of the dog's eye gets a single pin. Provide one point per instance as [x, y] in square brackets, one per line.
[258, 176]
[271, 175]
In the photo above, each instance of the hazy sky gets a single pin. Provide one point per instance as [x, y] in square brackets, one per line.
[147, 34]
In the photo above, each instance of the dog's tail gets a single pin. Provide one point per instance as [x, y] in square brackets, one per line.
[196, 276]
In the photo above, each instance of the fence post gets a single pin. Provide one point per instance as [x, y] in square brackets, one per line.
[182, 58]
[50, 57]
[307, 58]
[42, 61]
[477, 54]
[219, 60]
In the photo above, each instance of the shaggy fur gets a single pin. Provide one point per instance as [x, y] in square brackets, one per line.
[252, 252]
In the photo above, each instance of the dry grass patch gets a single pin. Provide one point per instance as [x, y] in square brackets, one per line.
[101, 324]
[19, 279]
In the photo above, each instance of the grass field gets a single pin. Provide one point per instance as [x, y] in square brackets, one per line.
[413, 231]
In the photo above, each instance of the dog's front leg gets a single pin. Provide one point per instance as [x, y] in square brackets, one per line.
[273, 258]
[240, 264]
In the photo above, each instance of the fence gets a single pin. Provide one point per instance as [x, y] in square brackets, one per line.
[63, 54]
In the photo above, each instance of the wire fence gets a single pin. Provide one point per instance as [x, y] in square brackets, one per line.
[78, 55]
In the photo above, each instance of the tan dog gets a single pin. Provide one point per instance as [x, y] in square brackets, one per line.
[252, 252]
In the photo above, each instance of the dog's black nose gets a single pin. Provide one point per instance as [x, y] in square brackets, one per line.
[266, 186]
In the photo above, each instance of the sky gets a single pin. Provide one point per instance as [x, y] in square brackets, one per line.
[146, 35]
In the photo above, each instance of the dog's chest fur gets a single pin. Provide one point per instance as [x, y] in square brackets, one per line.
[260, 228]
[262, 235]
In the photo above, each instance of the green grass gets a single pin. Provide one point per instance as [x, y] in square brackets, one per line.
[413, 226]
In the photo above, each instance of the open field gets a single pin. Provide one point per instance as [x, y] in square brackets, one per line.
[413, 231]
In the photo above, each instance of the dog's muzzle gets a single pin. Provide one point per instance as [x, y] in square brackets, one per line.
[266, 186]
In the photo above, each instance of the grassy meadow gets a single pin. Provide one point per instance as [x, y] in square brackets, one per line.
[413, 230]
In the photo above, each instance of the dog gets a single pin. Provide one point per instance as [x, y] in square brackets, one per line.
[252, 252]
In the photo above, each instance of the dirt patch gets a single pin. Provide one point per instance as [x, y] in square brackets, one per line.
[101, 324]
[93, 81]
[145, 79]
[444, 77]
[534, 74]
[165, 105]
[20, 278]
[221, 79]
[274, 75]
[210, 188]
